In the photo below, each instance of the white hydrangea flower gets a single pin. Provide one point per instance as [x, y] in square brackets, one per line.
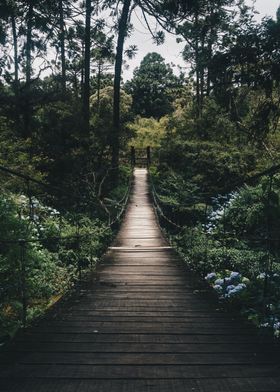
[262, 276]
[230, 288]
[218, 288]
[241, 286]
[211, 276]
[235, 275]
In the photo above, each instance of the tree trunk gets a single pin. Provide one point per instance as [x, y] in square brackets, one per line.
[202, 76]
[115, 143]
[16, 64]
[28, 71]
[210, 51]
[62, 47]
[209, 61]
[82, 82]
[98, 84]
[86, 90]
[29, 44]
[197, 92]
[75, 85]
[197, 71]
[201, 90]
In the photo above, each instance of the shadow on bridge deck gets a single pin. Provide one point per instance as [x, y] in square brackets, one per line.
[140, 326]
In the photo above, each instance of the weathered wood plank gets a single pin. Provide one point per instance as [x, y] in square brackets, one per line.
[259, 384]
[175, 338]
[128, 347]
[151, 358]
[149, 371]
[144, 324]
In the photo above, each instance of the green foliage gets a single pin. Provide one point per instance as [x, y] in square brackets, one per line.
[102, 104]
[55, 250]
[152, 87]
[205, 254]
[101, 121]
[173, 187]
[15, 153]
[255, 211]
[58, 132]
[179, 199]
[147, 132]
[243, 239]
[211, 166]
[118, 191]
[216, 128]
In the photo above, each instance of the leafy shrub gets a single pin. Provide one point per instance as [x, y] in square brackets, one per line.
[255, 212]
[55, 249]
[147, 132]
[213, 167]
[236, 243]
[203, 253]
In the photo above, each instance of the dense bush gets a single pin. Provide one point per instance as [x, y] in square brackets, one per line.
[147, 132]
[254, 213]
[238, 236]
[203, 253]
[257, 295]
[56, 249]
[177, 197]
[213, 167]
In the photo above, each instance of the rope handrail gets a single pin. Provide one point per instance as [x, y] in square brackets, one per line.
[267, 172]
[26, 177]
[77, 236]
[70, 237]
[157, 206]
[51, 190]
[122, 202]
[54, 239]
[157, 201]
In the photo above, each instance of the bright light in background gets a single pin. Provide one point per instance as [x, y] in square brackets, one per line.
[171, 50]
[266, 7]
[141, 37]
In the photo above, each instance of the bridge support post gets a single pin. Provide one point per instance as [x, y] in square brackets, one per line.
[148, 156]
[132, 156]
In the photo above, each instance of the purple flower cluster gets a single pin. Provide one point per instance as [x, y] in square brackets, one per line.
[228, 286]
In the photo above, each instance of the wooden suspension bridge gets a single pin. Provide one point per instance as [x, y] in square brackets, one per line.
[143, 323]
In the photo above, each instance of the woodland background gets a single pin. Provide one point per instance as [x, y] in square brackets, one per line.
[68, 120]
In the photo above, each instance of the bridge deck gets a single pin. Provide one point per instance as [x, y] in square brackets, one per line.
[142, 325]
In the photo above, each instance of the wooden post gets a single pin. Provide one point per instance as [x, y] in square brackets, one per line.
[148, 156]
[132, 156]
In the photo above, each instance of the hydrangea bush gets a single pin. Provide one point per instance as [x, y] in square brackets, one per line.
[258, 298]
[230, 237]
[229, 285]
[232, 241]
[51, 263]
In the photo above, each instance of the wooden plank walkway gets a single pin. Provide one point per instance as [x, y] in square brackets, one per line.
[142, 325]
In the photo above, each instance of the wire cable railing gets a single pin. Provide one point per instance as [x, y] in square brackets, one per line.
[24, 241]
[221, 234]
[204, 198]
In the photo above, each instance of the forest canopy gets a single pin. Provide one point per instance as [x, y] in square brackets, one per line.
[231, 93]
[69, 117]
